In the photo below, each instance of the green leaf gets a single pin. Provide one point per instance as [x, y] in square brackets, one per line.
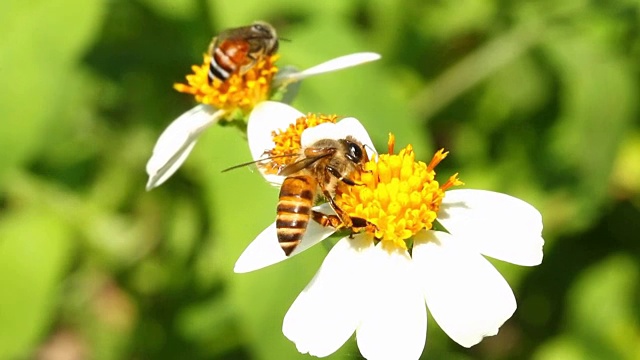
[42, 42]
[564, 348]
[598, 106]
[626, 174]
[239, 13]
[448, 19]
[172, 9]
[604, 312]
[35, 249]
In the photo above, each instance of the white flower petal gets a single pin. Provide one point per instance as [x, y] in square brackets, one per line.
[395, 323]
[322, 131]
[354, 128]
[466, 295]
[266, 117]
[327, 312]
[340, 130]
[176, 142]
[265, 249]
[338, 63]
[497, 225]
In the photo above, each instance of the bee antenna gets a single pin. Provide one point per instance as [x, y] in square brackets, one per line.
[240, 165]
[284, 39]
[257, 161]
[370, 148]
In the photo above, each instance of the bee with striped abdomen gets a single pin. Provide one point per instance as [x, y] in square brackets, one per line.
[237, 50]
[317, 172]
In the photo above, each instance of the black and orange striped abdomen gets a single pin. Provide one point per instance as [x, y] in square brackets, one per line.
[294, 210]
[227, 58]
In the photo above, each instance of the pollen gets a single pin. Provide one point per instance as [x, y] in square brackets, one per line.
[238, 92]
[397, 194]
[287, 142]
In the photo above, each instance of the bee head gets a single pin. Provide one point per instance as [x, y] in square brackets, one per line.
[264, 30]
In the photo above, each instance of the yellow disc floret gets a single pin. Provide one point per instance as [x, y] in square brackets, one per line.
[397, 194]
[287, 141]
[238, 92]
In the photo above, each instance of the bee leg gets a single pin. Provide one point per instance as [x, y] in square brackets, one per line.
[249, 65]
[362, 169]
[335, 222]
[337, 174]
[354, 223]
[327, 220]
[360, 223]
[345, 219]
[342, 220]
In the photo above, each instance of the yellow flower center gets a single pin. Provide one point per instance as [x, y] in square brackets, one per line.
[397, 194]
[287, 141]
[238, 92]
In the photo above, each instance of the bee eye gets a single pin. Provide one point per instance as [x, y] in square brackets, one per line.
[355, 152]
[260, 28]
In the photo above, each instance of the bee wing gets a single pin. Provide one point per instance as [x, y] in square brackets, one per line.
[231, 37]
[298, 165]
[234, 34]
[312, 155]
[246, 36]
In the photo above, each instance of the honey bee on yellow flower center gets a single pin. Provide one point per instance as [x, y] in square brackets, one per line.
[237, 70]
[237, 50]
[319, 169]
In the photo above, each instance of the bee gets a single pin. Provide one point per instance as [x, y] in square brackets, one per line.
[317, 171]
[238, 49]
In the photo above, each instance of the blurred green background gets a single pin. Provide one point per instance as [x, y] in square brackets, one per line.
[537, 99]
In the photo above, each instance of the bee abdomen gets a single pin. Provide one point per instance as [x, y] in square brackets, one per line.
[294, 210]
[221, 66]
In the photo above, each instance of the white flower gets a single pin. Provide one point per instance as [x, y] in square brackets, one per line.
[380, 289]
[179, 138]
